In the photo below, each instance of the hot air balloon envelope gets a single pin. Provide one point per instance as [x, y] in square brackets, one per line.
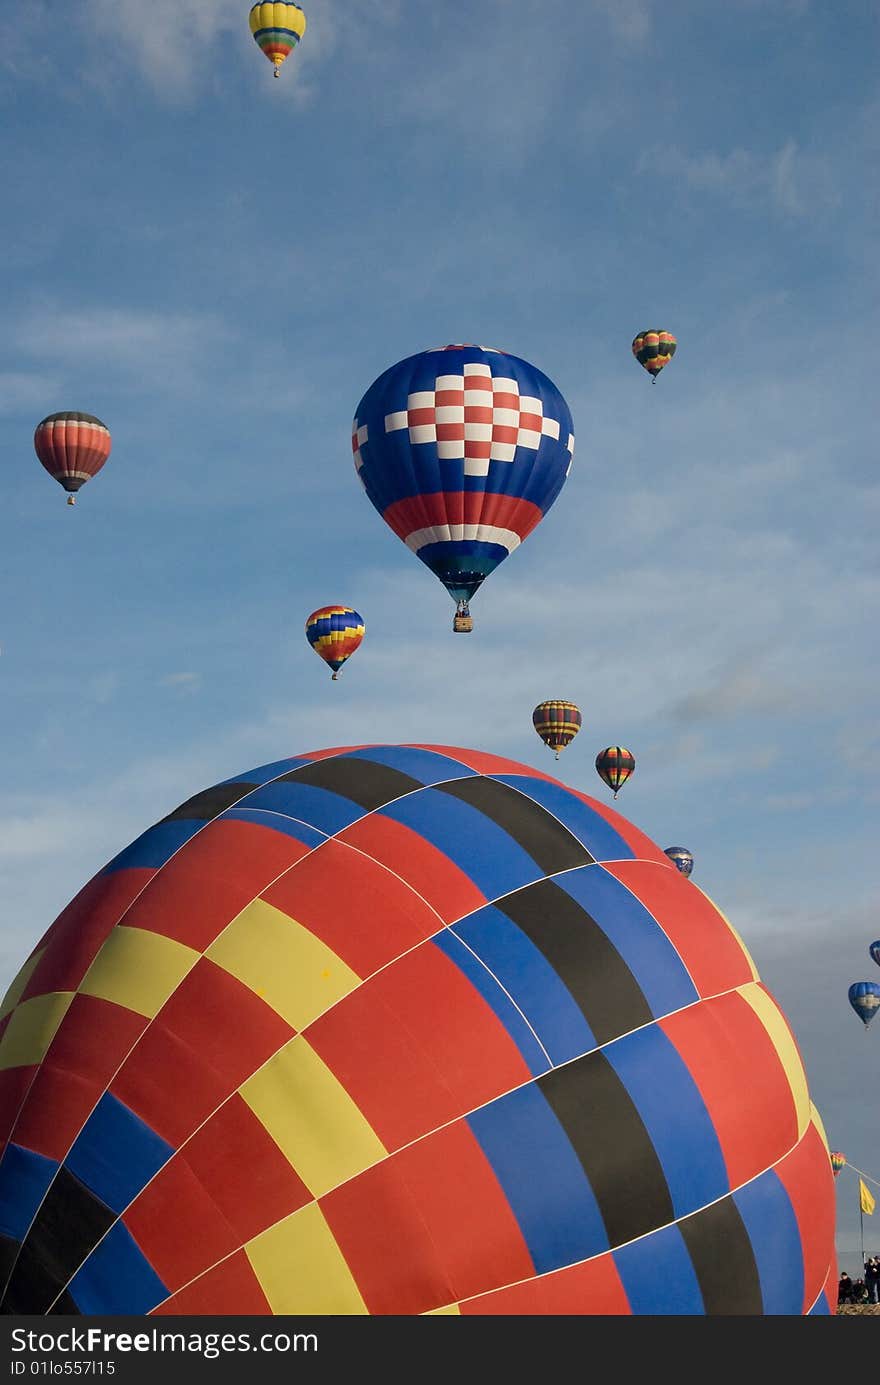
[874, 950]
[557, 723]
[681, 857]
[462, 450]
[654, 349]
[335, 632]
[399, 1030]
[838, 1161]
[277, 29]
[72, 447]
[864, 997]
[614, 765]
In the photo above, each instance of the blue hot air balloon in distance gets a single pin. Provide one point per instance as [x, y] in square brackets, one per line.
[864, 997]
[462, 450]
[680, 857]
[874, 950]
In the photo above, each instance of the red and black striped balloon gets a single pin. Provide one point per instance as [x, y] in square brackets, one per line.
[614, 764]
[72, 447]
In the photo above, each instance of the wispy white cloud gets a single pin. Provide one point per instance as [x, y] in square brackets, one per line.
[183, 682]
[20, 389]
[793, 182]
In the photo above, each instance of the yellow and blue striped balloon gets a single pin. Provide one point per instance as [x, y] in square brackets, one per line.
[277, 28]
[335, 632]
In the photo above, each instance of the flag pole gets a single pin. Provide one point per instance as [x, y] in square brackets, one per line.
[862, 1228]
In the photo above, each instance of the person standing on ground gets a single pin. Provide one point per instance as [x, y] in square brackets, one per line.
[872, 1278]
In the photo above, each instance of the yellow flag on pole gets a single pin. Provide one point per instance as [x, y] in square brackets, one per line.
[866, 1197]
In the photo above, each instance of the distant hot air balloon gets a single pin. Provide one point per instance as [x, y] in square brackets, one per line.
[462, 450]
[838, 1161]
[874, 950]
[681, 857]
[335, 632]
[654, 349]
[864, 997]
[614, 764]
[72, 447]
[557, 723]
[277, 28]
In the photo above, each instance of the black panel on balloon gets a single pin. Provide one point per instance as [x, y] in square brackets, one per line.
[364, 782]
[211, 802]
[64, 1307]
[599, 1118]
[8, 1251]
[68, 1226]
[723, 1259]
[579, 951]
[538, 832]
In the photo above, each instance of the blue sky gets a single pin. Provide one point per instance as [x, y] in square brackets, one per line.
[218, 265]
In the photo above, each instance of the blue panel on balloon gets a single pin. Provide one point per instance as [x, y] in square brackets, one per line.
[276, 822]
[494, 996]
[117, 1278]
[596, 832]
[116, 1154]
[424, 765]
[488, 856]
[156, 846]
[674, 1115]
[24, 1182]
[769, 1218]
[644, 947]
[821, 1308]
[542, 1178]
[264, 773]
[327, 811]
[658, 1275]
[529, 979]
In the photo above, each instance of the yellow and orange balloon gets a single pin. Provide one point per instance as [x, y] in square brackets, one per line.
[557, 723]
[335, 632]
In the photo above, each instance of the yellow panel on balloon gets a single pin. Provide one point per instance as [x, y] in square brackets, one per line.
[138, 969]
[774, 1022]
[817, 1121]
[311, 1117]
[301, 1268]
[14, 994]
[285, 964]
[453, 1311]
[746, 953]
[31, 1029]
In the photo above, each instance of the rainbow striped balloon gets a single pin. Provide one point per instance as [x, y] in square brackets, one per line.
[277, 28]
[614, 764]
[335, 632]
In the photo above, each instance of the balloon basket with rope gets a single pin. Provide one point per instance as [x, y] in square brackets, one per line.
[71, 500]
[463, 622]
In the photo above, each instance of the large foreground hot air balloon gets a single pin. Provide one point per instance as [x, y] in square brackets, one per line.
[680, 857]
[557, 723]
[335, 632]
[654, 349]
[72, 447]
[864, 997]
[462, 450]
[614, 765]
[277, 29]
[403, 1030]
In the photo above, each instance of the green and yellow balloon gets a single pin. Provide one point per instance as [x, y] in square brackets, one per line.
[277, 29]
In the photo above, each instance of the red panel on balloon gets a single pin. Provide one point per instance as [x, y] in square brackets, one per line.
[230, 1288]
[712, 954]
[14, 1083]
[734, 1063]
[178, 1226]
[438, 880]
[204, 887]
[428, 1226]
[811, 1190]
[73, 941]
[595, 1282]
[92, 1041]
[211, 1035]
[404, 1066]
[389, 919]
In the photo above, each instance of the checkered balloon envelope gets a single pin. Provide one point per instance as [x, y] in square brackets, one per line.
[462, 450]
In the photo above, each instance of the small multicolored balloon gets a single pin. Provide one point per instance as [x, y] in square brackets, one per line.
[680, 857]
[864, 997]
[277, 29]
[614, 764]
[838, 1161]
[335, 632]
[654, 349]
[557, 723]
[72, 447]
